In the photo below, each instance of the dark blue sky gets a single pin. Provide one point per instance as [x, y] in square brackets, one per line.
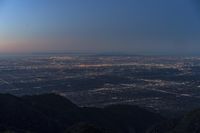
[133, 26]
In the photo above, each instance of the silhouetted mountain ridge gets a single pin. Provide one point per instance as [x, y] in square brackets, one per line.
[190, 123]
[51, 113]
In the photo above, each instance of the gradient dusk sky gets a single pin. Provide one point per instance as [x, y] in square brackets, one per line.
[132, 26]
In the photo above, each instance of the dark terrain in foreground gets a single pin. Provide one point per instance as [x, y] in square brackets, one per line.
[50, 113]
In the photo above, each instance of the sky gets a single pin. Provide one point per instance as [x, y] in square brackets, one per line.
[128, 26]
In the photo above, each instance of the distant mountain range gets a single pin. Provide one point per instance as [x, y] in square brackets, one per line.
[50, 113]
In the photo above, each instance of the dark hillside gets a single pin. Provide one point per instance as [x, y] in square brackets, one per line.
[51, 113]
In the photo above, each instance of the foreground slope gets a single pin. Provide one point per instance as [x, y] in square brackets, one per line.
[51, 113]
[190, 123]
